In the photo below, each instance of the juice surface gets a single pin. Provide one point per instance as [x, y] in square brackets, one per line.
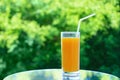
[70, 54]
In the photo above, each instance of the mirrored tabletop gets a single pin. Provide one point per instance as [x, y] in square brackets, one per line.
[56, 74]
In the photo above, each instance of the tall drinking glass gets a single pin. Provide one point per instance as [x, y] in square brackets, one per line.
[70, 49]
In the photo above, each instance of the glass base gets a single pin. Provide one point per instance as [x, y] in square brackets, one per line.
[71, 75]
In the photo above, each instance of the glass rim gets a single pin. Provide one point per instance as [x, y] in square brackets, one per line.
[74, 34]
[69, 32]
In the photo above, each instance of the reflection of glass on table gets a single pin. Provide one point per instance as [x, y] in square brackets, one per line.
[56, 74]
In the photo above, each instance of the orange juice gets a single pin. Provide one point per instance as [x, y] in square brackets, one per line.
[70, 53]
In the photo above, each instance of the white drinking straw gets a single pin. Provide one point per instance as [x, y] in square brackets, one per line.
[82, 20]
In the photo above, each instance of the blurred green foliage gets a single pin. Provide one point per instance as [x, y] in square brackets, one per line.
[30, 34]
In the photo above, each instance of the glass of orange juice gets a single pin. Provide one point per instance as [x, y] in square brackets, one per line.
[70, 52]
